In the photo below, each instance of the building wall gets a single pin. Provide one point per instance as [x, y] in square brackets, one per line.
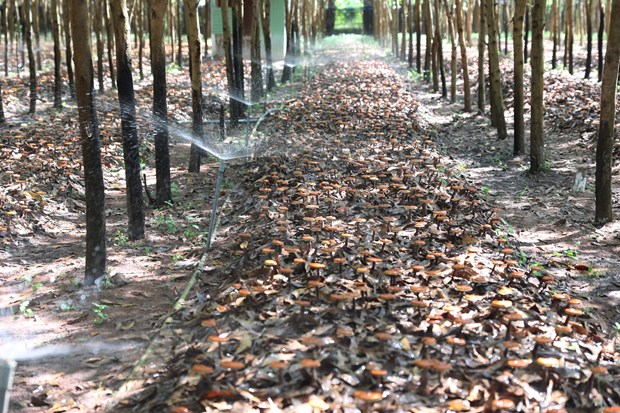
[278, 29]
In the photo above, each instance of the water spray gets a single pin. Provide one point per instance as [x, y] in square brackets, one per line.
[7, 368]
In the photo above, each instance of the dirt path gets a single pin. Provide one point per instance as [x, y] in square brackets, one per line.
[543, 214]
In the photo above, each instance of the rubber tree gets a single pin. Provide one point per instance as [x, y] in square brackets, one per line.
[497, 96]
[32, 64]
[517, 39]
[195, 60]
[163, 189]
[129, 130]
[57, 55]
[464, 63]
[68, 49]
[266, 18]
[256, 66]
[482, 34]
[537, 61]
[91, 146]
[606, 129]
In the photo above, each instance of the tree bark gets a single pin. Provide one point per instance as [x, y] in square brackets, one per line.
[517, 38]
[554, 32]
[266, 16]
[606, 130]
[568, 37]
[91, 149]
[482, 34]
[526, 30]
[98, 33]
[537, 156]
[256, 63]
[206, 15]
[437, 44]
[110, 41]
[160, 110]
[601, 29]
[37, 34]
[428, 28]
[68, 50]
[193, 39]
[32, 64]
[464, 62]
[179, 27]
[453, 70]
[589, 36]
[238, 107]
[2, 119]
[57, 55]
[127, 102]
[497, 96]
[139, 10]
[418, 36]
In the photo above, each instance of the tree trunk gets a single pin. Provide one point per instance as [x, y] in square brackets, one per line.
[11, 27]
[526, 29]
[109, 40]
[589, 36]
[606, 130]
[32, 64]
[37, 34]
[2, 119]
[568, 37]
[537, 156]
[238, 108]
[91, 150]
[179, 27]
[206, 16]
[57, 55]
[418, 36]
[68, 50]
[453, 69]
[517, 38]
[98, 33]
[193, 39]
[482, 34]
[601, 28]
[127, 102]
[497, 96]
[554, 32]
[464, 62]
[439, 50]
[256, 64]
[287, 71]
[5, 34]
[139, 10]
[403, 32]
[228, 52]
[160, 109]
[428, 28]
[266, 16]
[410, 33]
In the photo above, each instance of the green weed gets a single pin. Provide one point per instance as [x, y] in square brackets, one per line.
[100, 314]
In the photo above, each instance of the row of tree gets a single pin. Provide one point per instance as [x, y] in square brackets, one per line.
[73, 22]
[396, 21]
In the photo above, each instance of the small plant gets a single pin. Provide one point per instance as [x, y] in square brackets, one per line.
[523, 258]
[486, 190]
[177, 257]
[595, 274]
[67, 306]
[36, 286]
[25, 310]
[176, 191]
[120, 238]
[100, 314]
[166, 223]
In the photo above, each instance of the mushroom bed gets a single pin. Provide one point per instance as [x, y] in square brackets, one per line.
[363, 273]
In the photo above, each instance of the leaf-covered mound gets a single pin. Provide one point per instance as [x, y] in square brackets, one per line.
[363, 273]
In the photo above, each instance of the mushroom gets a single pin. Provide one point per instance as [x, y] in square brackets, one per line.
[368, 397]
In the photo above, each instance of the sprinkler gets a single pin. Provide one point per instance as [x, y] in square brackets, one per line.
[7, 368]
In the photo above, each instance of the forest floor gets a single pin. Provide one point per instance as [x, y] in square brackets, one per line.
[125, 346]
